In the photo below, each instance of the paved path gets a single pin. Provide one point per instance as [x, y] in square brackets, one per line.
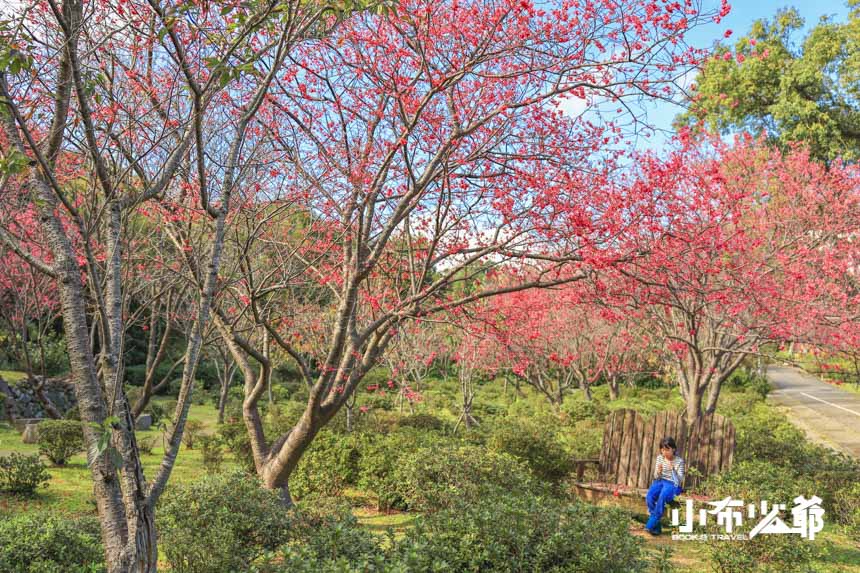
[828, 415]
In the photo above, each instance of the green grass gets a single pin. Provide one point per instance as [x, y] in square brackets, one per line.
[810, 364]
[70, 488]
[12, 375]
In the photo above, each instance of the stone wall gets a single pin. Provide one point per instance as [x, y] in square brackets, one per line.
[21, 395]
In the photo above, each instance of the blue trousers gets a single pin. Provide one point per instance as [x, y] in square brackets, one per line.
[659, 494]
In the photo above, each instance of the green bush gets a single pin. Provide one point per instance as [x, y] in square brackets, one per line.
[737, 404]
[515, 534]
[55, 354]
[281, 418]
[192, 432]
[213, 455]
[200, 397]
[47, 543]
[59, 440]
[328, 540]
[765, 435]
[421, 422]
[584, 440]
[434, 478]
[752, 482]
[234, 436]
[220, 524]
[161, 411]
[579, 409]
[757, 480]
[331, 534]
[146, 444]
[327, 466]
[22, 474]
[381, 454]
[522, 534]
[533, 445]
[847, 506]
[747, 379]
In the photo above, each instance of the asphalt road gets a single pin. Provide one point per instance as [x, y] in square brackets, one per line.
[828, 414]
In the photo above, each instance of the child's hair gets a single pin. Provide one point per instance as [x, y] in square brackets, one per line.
[668, 442]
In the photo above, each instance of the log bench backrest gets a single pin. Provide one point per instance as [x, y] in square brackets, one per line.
[631, 443]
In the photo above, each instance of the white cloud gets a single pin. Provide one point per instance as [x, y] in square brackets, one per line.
[572, 105]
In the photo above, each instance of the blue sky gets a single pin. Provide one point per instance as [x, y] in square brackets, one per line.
[743, 14]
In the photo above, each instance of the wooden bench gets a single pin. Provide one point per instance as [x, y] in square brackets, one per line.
[631, 443]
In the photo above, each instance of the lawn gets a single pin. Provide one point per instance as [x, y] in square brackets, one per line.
[69, 490]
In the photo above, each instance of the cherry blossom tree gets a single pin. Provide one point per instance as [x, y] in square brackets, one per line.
[410, 358]
[421, 149]
[28, 310]
[559, 339]
[748, 247]
[115, 111]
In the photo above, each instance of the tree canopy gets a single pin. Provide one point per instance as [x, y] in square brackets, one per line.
[769, 83]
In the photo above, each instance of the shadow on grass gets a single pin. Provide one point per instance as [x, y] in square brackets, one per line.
[844, 555]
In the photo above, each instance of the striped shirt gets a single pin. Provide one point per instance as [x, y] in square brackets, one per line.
[676, 466]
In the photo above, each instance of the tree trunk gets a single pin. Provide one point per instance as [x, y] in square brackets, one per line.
[586, 389]
[222, 399]
[106, 488]
[714, 395]
[286, 452]
[39, 391]
[694, 405]
[613, 387]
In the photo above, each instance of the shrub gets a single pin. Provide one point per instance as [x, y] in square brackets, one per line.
[752, 482]
[193, 430]
[21, 474]
[380, 400]
[213, 455]
[434, 478]
[847, 506]
[421, 422]
[47, 543]
[281, 418]
[328, 533]
[200, 397]
[235, 438]
[579, 409]
[523, 534]
[534, 446]
[755, 480]
[507, 533]
[747, 379]
[380, 455]
[161, 411]
[59, 440]
[584, 440]
[220, 524]
[327, 541]
[737, 404]
[328, 465]
[766, 435]
[146, 444]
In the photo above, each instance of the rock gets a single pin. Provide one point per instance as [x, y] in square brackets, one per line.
[31, 433]
[144, 422]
